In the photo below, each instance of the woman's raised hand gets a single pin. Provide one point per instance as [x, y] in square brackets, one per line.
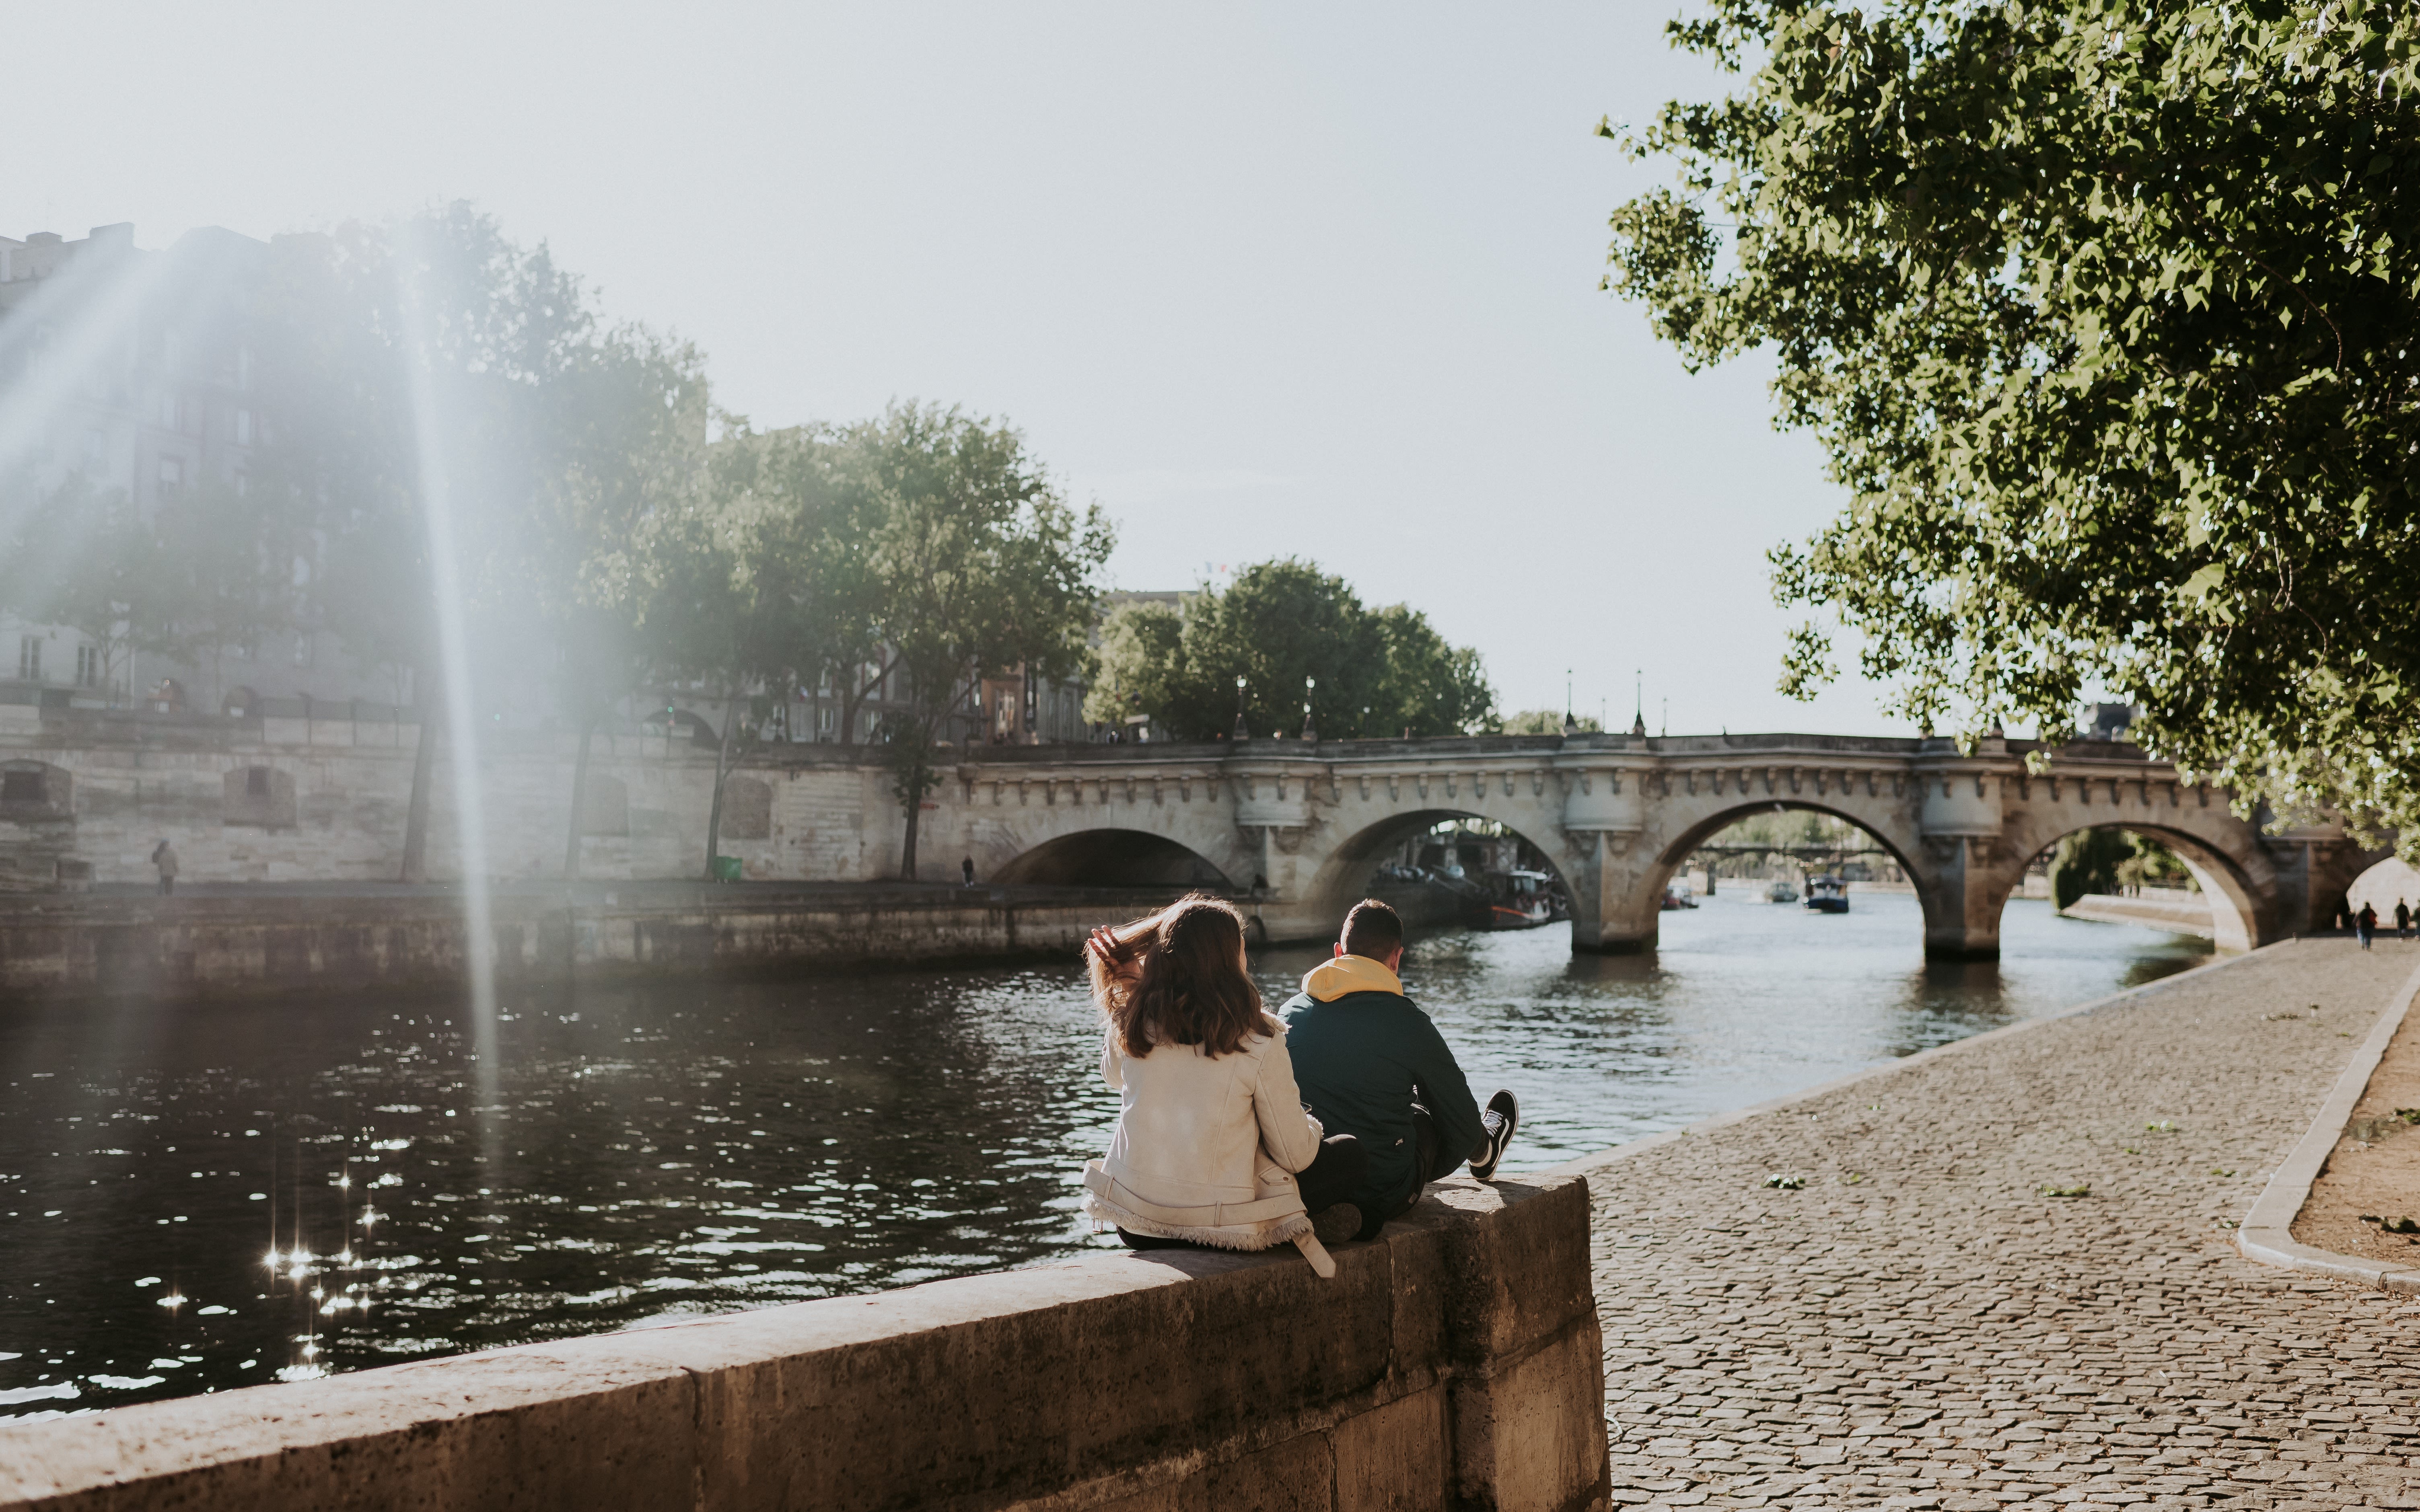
[1120, 961]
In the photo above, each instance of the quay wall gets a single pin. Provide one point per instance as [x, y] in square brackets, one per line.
[182, 947]
[1454, 1362]
[328, 802]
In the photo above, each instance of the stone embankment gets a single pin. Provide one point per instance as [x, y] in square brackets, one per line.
[1924, 1324]
[255, 942]
[1453, 1363]
[2167, 908]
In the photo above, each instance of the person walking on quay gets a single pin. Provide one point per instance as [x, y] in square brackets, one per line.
[163, 855]
[1212, 1145]
[2365, 924]
[2402, 919]
[1372, 1064]
[967, 870]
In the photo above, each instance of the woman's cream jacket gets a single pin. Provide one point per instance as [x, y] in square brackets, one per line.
[1205, 1146]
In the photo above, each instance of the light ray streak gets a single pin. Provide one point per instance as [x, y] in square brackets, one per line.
[461, 731]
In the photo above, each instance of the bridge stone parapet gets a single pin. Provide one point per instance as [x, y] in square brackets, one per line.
[1298, 826]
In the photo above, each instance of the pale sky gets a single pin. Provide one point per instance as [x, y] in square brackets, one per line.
[1261, 281]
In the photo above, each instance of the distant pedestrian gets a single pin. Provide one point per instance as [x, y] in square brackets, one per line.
[163, 855]
[967, 870]
[2365, 924]
[2402, 919]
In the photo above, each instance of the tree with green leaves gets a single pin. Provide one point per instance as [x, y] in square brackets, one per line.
[708, 617]
[1296, 636]
[429, 376]
[977, 566]
[2103, 310]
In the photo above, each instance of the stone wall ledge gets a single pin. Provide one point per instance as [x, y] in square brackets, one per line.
[71, 946]
[1454, 1361]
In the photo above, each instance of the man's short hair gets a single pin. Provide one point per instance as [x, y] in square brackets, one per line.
[1372, 929]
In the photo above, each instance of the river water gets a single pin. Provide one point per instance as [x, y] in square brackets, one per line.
[195, 1199]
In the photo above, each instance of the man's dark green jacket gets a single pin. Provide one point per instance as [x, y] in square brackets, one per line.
[1363, 1055]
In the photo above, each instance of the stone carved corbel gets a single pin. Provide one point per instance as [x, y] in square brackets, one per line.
[1364, 781]
[1394, 788]
[1184, 787]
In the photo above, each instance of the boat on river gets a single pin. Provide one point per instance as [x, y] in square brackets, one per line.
[1827, 895]
[1781, 892]
[1518, 900]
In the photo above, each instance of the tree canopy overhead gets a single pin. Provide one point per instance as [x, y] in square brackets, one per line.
[2104, 314]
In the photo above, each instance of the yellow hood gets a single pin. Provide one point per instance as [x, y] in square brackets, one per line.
[1331, 980]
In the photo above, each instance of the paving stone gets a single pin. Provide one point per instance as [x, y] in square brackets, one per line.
[1940, 1334]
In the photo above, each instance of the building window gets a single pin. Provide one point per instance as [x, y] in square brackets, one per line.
[172, 476]
[29, 657]
[302, 649]
[88, 666]
[243, 428]
[22, 787]
[256, 781]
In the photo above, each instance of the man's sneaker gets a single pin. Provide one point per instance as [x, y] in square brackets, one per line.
[1502, 1117]
[1337, 1223]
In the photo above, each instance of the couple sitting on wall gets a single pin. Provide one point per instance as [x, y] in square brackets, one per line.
[1242, 1133]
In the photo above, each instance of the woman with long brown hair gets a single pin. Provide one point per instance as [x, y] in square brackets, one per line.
[1213, 1146]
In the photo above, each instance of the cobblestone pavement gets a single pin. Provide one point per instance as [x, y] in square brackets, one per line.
[1921, 1326]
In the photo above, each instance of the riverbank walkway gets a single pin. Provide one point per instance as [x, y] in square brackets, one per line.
[1921, 1326]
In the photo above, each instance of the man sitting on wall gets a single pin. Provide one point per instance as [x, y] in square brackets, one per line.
[1371, 1064]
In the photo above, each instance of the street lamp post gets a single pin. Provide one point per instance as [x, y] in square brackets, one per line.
[1241, 733]
[1310, 731]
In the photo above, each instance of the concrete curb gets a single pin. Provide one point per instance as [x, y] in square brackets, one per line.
[2266, 1234]
[1891, 1068]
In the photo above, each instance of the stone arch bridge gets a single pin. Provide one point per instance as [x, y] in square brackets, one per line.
[1303, 824]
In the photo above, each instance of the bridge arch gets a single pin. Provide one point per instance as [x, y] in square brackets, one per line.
[2234, 872]
[1885, 826]
[1342, 877]
[1114, 857]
